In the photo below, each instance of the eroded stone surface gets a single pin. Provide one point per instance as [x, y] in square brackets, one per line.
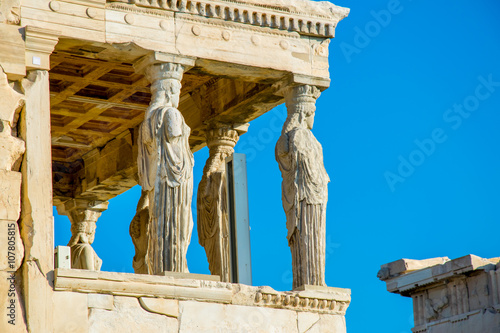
[403, 266]
[129, 316]
[10, 195]
[9, 11]
[325, 8]
[139, 231]
[11, 148]
[10, 301]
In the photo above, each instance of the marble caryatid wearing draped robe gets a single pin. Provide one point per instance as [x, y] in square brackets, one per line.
[139, 231]
[213, 218]
[83, 255]
[304, 189]
[165, 163]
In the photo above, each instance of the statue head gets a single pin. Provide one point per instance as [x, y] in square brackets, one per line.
[165, 83]
[83, 233]
[301, 106]
[166, 93]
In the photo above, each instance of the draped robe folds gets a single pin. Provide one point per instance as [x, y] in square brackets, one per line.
[139, 231]
[83, 256]
[304, 196]
[166, 172]
[213, 220]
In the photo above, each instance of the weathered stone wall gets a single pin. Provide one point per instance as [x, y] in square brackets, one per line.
[86, 301]
[460, 295]
[80, 312]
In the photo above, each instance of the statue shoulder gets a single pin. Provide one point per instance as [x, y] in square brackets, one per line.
[173, 122]
[299, 137]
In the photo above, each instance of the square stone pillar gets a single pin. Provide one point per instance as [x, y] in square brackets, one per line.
[11, 246]
[37, 223]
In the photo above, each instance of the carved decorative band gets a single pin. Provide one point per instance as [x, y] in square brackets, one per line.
[222, 136]
[165, 71]
[297, 302]
[301, 99]
[262, 16]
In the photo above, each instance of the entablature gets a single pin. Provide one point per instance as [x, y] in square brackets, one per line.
[290, 36]
[304, 17]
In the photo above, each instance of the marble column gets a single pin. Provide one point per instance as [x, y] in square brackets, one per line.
[83, 215]
[213, 220]
[304, 186]
[37, 221]
[165, 164]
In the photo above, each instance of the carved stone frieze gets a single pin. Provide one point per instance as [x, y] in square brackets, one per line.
[12, 149]
[9, 11]
[298, 302]
[454, 295]
[301, 16]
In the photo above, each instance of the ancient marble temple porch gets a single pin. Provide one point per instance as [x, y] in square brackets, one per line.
[100, 96]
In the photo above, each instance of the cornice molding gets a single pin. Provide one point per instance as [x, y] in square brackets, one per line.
[40, 43]
[259, 15]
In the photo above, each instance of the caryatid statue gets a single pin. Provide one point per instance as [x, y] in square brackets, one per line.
[165, 164]
[304, 187]
[83, 215]
[139, 231]
[213, 219]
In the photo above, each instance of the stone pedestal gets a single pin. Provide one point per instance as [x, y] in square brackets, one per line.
[122, 302]
[460, 295]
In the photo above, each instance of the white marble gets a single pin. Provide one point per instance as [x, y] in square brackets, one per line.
[304, 187]
[165, 163]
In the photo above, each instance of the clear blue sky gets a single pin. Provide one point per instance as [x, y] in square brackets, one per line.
[397, 84]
